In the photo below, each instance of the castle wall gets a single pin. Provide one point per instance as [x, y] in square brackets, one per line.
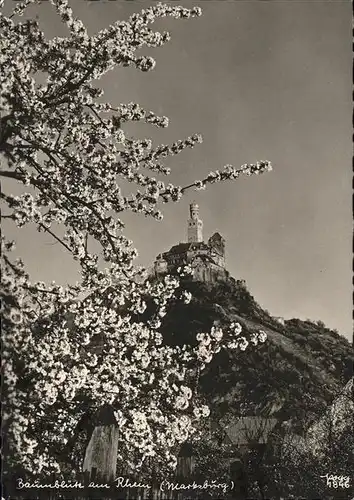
[160, 266]
[209, 273]
[192, 254]
[204, 269]
[219, 259]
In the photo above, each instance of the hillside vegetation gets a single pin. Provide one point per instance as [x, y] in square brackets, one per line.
[293, 376]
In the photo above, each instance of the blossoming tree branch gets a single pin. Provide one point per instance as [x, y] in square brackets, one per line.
[69, 350]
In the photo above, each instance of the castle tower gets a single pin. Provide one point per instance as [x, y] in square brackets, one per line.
[195, 225]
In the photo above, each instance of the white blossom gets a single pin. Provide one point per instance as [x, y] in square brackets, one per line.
[85, 342]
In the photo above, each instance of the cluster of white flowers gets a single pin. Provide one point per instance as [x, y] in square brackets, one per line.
[86, 351]
[81, 346]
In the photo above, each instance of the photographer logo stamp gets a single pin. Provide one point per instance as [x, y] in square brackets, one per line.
[333, 481]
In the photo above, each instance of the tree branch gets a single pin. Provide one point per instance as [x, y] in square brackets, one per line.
[59, 240]
[11, 175]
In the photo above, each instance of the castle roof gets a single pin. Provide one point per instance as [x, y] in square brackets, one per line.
[180, 248]
[216, 235]
[183, 247]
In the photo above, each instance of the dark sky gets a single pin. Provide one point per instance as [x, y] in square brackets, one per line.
[259, 80]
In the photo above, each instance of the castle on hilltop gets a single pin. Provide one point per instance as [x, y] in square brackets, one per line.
[206, 259]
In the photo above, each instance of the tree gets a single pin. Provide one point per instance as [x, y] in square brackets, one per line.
[70, 350]
[318, 464]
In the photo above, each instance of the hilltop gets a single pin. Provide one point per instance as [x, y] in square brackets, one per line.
[293, 377]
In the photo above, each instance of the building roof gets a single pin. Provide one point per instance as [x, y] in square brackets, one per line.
[243, 430]
[180, 248]
[183, 247]
[216, 236]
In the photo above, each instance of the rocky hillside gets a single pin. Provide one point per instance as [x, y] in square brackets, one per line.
[293, 376]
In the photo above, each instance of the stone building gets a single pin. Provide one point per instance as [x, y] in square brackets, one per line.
[206, 258]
